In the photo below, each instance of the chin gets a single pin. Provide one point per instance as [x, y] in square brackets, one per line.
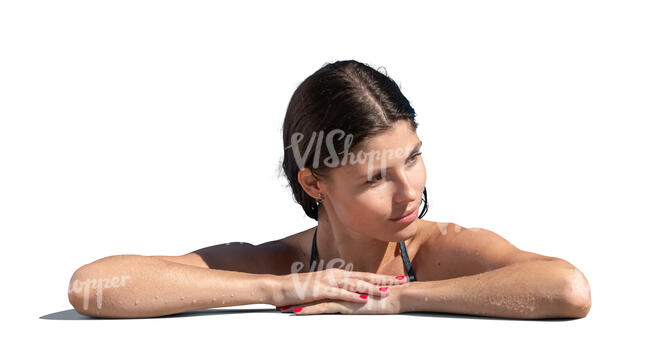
[403, 232]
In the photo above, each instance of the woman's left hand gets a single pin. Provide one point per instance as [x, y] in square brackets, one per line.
[374, 305]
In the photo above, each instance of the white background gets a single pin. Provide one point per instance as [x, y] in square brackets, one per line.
[154, 128]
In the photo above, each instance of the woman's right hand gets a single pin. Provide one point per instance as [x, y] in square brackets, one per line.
[332, 283]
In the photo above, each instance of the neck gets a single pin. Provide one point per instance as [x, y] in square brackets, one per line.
[364, 253]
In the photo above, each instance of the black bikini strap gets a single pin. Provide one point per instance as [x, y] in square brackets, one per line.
[407, 262]
[314, 253]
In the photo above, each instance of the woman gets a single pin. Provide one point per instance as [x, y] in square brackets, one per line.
[352, 159]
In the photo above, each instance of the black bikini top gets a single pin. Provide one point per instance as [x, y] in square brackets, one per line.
[402, 249]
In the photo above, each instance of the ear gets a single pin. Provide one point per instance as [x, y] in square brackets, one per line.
[310, 184]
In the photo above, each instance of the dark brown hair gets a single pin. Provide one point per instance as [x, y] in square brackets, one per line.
[344, 95]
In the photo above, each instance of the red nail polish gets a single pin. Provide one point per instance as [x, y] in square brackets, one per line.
[364, 296]
[383, 288]
[283, 308]
[399, 277]
[296, 310]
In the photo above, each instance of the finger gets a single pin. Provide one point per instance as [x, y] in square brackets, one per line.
[381, 280]
[296, 309]
[321, 308]
[290, 308]
[376, 279]
[336, 293]
[362, 286]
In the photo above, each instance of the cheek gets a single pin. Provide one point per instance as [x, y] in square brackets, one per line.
[417, 177]
[421, 177]
[363, 211]
[424, 174]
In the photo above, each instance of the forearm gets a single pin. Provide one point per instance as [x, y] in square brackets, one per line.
[141, 286]
[534, 289]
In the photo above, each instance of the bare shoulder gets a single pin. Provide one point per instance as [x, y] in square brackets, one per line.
[452, 250]
[272, 257]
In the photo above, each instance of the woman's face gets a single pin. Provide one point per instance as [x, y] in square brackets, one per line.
[365, 200]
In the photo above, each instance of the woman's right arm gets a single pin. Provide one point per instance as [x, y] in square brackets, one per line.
[129, 286]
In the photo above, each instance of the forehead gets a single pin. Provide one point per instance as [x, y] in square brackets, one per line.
[393, 145]
[400, 135]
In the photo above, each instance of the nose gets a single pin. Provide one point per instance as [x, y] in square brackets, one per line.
[404, 191]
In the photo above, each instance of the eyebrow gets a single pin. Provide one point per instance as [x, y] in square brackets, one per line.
[413, 151]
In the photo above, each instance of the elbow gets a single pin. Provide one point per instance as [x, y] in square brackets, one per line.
[78, 293]
[577, 294]
[87, 293]
[83, 293]
[90, 291]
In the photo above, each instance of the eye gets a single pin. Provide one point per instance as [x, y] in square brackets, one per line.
[375, 179]
[414, 157]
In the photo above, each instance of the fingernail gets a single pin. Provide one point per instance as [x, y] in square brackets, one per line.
[383, 288]
[363, 296]
[283, 308]
[399, 277]
[296, 310]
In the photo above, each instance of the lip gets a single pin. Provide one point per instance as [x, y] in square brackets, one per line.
[408, 217]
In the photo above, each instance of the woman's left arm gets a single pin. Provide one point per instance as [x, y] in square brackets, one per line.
[531, 289]
[516, 284]
[498, 280]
